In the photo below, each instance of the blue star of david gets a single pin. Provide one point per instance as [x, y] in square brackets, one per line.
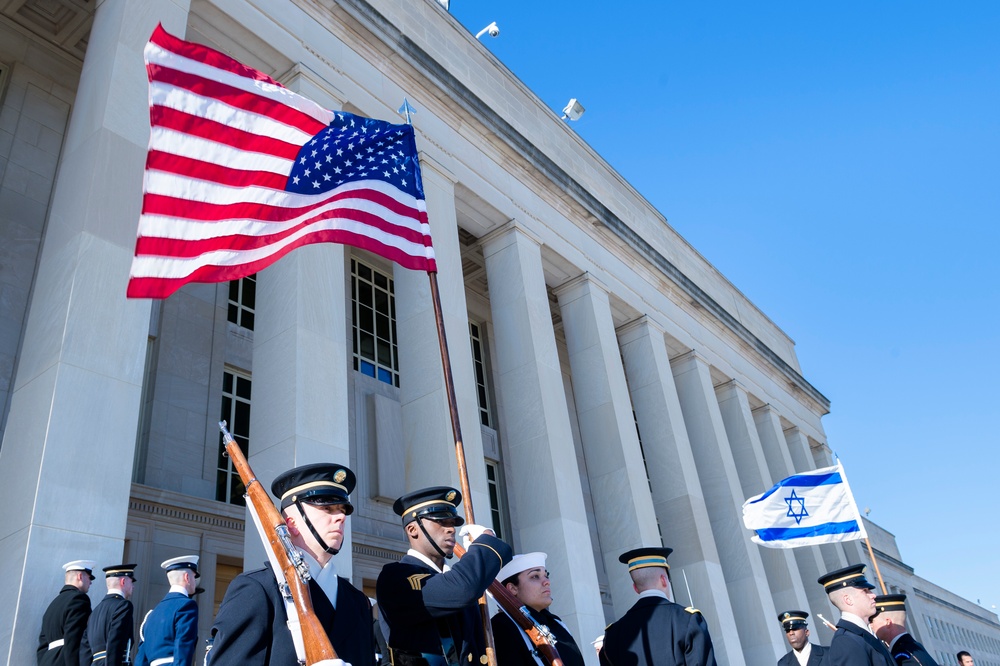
[793, 499]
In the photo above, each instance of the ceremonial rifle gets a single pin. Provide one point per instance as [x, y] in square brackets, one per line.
[540, 636]
[285, 558]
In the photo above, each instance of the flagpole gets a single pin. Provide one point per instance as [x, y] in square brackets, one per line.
[871, 553]
[463, 472]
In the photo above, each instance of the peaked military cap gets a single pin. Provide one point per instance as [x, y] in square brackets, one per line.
[793, 619]
[852, 576]
[120, 571]
[319, 483]
[640, 558]
[436, 502]
[86, 566]
[182, 562]
[889, 602]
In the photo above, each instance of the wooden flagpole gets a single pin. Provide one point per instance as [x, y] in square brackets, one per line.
[463, 472]
[878, 573]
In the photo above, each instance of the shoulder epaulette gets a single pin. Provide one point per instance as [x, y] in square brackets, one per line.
[692, 610]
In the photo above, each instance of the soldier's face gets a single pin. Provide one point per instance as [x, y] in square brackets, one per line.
[967, 661]
[797, 638]
[442, 531]
[533, 588]
[863, 602]
[329, 521]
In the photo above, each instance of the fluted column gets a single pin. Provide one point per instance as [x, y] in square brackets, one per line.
[79, 377]
[427, 431]
[746, 581]
[547, 507]
[677, 497]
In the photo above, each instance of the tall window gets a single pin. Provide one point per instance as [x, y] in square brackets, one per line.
[243, 301]
[373, 304]
[498, 508]
[479, 365]
[235, 411]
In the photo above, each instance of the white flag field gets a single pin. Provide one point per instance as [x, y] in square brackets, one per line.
[805, 509]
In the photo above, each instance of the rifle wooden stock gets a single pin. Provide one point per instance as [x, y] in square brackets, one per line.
[546, 650]
[314, 639]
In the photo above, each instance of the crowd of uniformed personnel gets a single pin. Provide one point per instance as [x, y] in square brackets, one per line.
[427, 611]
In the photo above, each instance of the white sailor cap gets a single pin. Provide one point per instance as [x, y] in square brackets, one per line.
[87, 566]
[182, 562]
[520, 563]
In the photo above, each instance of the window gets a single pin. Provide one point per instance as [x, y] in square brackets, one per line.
[498, 508]
[373, 305]
[236, 412]
[243, 301]
[479, 366]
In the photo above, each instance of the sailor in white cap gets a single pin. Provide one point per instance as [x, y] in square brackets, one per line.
[66, 617]
[169, 632]
[526, 577]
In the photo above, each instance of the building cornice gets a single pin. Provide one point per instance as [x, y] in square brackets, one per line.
[461, 95]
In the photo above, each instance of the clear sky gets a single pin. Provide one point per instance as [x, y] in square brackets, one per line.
[839, 162]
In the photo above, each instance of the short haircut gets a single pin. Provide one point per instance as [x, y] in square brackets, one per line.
[646, 577]
[961, 654]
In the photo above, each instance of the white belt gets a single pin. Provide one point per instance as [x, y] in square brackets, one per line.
[161, 661]
[59, 643]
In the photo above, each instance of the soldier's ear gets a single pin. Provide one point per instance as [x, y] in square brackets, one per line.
[292, 527]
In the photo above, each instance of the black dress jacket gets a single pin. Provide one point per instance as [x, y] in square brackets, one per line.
[816, 653]
[908, 652]
[512, 650]
[657, 632]
[109, 633]
[65, 620]
[251, 628]
[853, 646]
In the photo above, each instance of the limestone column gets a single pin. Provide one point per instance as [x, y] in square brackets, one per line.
[809, 559]
[65, 462]
[834, 556]
[779, 564]
[677, 497]
[543, 483]
[746, 581]
[427, 432]
[623, 507]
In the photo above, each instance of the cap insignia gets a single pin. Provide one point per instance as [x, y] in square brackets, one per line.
[450, 496]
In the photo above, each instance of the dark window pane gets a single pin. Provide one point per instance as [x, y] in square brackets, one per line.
[249, 293]
[247, 322]
[365, 320]
[241, 419]
[234, 290]
[233, 314]
[365, 294]
[381, 281]
[227, 382]
[381, 302]
[367, 343]
[243, 388]
[384, 354]
[220, 485]
[364, 272]
[383, 330]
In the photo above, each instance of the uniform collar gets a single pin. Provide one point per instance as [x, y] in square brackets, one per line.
[856, 620]
[653, 593]
[180, 589]
[426, 560]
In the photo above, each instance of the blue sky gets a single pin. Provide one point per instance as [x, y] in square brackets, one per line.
[839, 162]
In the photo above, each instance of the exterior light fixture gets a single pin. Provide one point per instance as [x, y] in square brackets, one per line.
[573, 110]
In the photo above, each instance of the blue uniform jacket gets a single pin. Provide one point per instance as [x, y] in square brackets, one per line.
[422, 606]
[170, 631]
[907, 651]
[853, 646]
[657, 632]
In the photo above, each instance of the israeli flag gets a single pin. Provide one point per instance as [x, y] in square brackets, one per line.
[804, 510]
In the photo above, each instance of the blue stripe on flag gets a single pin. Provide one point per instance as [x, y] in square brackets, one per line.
[786, 533]
[803, 481]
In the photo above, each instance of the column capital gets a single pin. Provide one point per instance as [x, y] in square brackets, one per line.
[307, 82]
[426, 160]
[732, 384]
[493, 241]
[637, 327]
[764, 409]
[574, 287]
[688, 357]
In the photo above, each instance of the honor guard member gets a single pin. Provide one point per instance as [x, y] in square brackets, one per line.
[428, 610]
[803, 653]
[65, 619]
[527, 579]
[889, 625]
[853, 643]
[108, 641]
[251, 628]
[169, 632]
[656, 631]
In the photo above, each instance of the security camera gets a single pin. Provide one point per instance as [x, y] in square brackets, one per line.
[492, 30]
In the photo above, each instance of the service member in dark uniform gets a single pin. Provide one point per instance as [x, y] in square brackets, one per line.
[108, 641]
[656, 631]
[527, 579]
[65, 619]
[428, 610]
[170, 631]
[251, 628]
[853, 643]
[889, 625]
[803, 653]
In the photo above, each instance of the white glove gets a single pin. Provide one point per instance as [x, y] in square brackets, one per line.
[331, 662]
[470, 532]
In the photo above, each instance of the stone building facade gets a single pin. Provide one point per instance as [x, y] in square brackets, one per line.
[614, 389]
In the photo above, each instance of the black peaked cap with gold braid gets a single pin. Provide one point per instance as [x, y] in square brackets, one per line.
[318, 483]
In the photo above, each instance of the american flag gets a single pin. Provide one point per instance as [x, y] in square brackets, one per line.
[241, 171]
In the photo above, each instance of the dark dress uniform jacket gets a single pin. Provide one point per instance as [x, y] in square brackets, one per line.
[512, 650]
[908, 652]
[816, 653]
[422, 606]
[251, 628]
[109, 633]
[65, 619]
[853, 646]
[170, 631]
[657, 632]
